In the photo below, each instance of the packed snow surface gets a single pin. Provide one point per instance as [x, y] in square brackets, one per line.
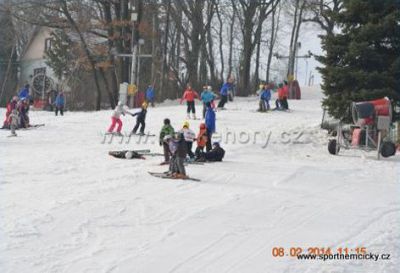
[67, 206]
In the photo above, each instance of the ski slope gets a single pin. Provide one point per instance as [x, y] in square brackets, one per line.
[66, 206]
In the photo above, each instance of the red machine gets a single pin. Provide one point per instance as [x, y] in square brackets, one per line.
[371, 129]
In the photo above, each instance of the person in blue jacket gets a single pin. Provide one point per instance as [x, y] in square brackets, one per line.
[265, 97]
[60, 103]
[210, 124]
[150, 95]
[24, 92]
[224, 92]
[207, 96]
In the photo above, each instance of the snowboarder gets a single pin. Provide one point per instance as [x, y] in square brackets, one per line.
[207, 96]
[140, 120]
[166, 130]
[59, 103]
[115, 118]
[190, 95]
[13, 121]
[201, 140]
[210, 124]
[216, 154]
[189, 136]
[150, 95]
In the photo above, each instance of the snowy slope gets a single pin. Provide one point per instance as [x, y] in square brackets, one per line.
[66, 206]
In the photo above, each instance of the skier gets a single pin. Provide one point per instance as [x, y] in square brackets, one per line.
[265, 97]
[180, 156]
[216, 154]
[166, 130]
[210, 124]
[281, 103]
[23, 107]
[10, 106]
[140, 120]
[59, 103]
[189, 137]
[13, 121]
[207, 96]
[150, 95]
[201, 140]
[190, 95]
[115, 118]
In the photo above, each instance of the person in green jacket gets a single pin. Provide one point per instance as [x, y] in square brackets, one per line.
[166, 130]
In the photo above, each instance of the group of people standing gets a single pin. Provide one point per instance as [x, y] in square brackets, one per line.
[265, 95]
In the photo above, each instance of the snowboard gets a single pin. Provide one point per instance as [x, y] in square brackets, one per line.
[168, 176]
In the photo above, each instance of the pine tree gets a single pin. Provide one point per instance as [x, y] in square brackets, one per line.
[59, 55]
[362, 61]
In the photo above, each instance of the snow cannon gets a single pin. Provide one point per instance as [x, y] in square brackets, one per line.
[371, 131]
[366, 112]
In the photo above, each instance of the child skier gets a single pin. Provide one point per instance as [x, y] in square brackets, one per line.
[140, 120]
[210, 124]
[201, 140]
[13, 121]
[166, 130]
[190, 95]
[189, 136]
[207, 96]
[59, 103]
[115, 118]
[265, 98]
[180, 157]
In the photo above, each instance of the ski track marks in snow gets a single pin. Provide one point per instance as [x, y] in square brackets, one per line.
[66, 206]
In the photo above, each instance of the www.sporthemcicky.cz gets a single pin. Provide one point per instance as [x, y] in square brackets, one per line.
[337, 256]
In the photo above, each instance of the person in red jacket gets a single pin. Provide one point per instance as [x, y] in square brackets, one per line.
[190, 95]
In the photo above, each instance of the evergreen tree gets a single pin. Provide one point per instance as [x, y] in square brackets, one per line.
[362, 61]
[59, 55]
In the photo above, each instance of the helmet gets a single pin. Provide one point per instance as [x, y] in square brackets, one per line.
[186, 124]
[167, 121]
[216, 144]
[202, 126]
[144, 105]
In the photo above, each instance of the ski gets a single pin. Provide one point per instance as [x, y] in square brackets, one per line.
[168, 176]
[144, 135]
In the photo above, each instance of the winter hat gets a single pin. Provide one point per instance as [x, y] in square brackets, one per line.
[209, 88]
[216, 144]
[202, 126]
[186, 124]
[167, 121]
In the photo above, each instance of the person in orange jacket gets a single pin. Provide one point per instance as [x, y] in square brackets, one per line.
[190, 95]
[201, 140]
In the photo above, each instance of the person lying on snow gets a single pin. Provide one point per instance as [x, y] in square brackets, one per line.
[216, 154]
[116, 118]
[140, 120]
